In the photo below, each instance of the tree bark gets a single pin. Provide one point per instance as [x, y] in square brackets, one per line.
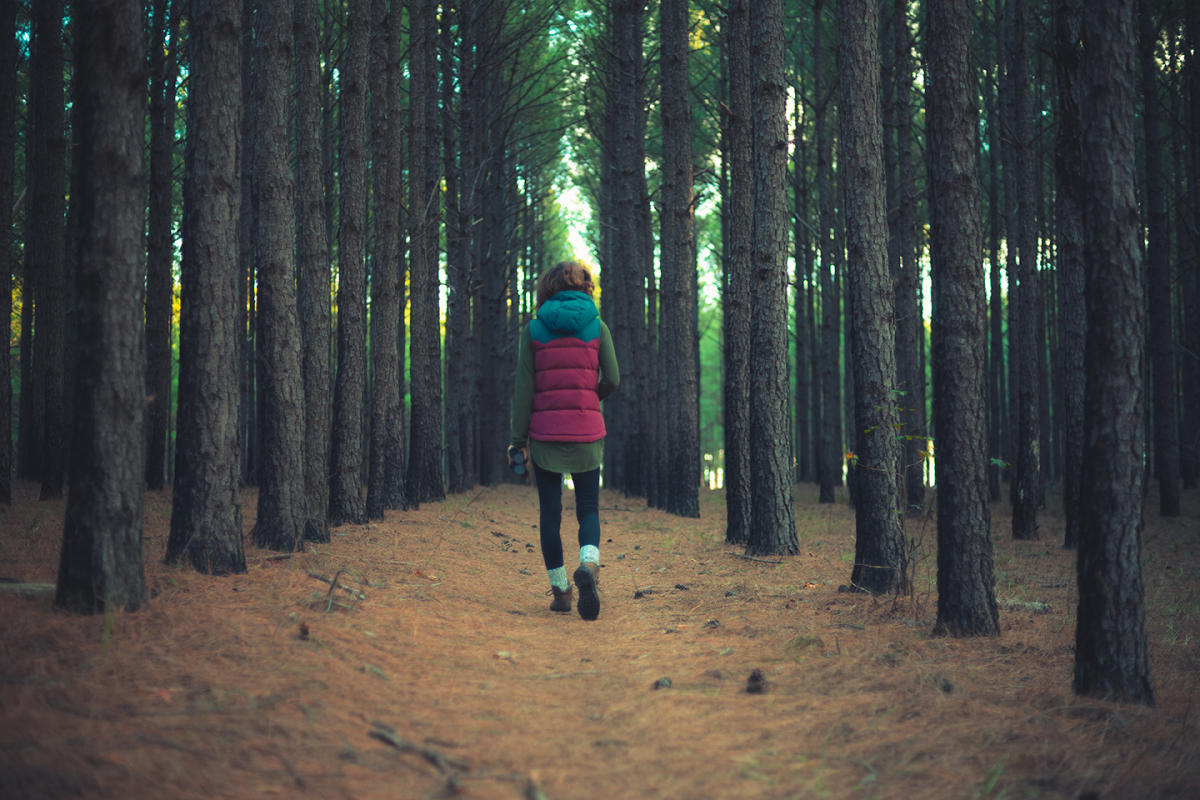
[772, 524]
[1162, 345]
[312, 269]
[45, 251]
[1071, 268]
[1111, 657]
[387, 417]
[100, 565]
[736, 299]
[424, 476]
[160, 240]
[8, 135]
[346, 504]
[829, 458]
[678, 264]
[206, 511]
[282, 513]
[880, 564]
[1027, 493]
[966, 602]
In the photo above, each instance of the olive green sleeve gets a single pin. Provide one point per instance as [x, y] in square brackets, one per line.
[610, 374]
[522, 402]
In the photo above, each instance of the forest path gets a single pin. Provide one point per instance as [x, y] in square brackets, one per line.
[439, 669]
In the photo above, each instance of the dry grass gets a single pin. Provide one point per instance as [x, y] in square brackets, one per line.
[452, 677]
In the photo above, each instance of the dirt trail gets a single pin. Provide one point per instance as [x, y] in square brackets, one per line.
[439, 671]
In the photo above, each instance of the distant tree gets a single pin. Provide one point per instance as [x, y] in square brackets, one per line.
[1164, 393]
[966, 599]
[8, 135]
[772, 523]
[905, 232]
[160, 238]
[424, 474]
[678, 266]
[1111, 658]
[282, 514]
[312, 269]
[738, 207]
[880, 563]
[206, 510]
[829, 453]
[1072, 303]
[45, 249]
[100, 566]
[1190, 279]
[346, 502]
[1024, 299]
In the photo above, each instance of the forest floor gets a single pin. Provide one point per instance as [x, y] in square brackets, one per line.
[439, 671]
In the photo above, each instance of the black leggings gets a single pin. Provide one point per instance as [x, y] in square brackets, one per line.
[587, 511]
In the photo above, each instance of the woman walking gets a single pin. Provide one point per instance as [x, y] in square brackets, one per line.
[566, 366]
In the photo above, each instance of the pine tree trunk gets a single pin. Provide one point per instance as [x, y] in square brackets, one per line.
[100, 566]
[8, 132]
[966, 602]
[346, 504]
[736, 300]
[387, 418]
[677, 307]
[312, 262]
[1111, 657]
[160, 241]
[772, 523]
[1071, 299]
[206, 512]
[45, 252]
[1190, 269]
[1158, 268]
[880, 564]
[282, 513]
[1021, 232]
[829, 457]
[424, 476]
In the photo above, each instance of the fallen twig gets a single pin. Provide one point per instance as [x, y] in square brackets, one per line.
[334, 584]
[755, 558]
[447, 764]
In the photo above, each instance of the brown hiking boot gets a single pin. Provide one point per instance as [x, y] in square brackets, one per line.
[587, 578]
[562, 599]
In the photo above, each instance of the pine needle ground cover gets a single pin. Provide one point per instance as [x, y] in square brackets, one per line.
[417, 658]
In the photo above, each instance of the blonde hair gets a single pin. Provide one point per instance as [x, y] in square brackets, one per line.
[563, 276]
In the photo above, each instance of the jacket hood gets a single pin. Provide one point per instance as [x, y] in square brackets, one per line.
[568, 312]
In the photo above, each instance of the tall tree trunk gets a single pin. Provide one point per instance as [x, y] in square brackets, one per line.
[1190, 277]
[206, 510]
[312, 269]
[100, 566]
[829, 458]
[1158, 269]
[282, 515]
[8, 136]
[736, 300]
[387, 417]
[678, 264]
[910, 323]
[880, 563]
[425, 439]
[802, 303]
[1111, 657]
[160, 240]
[1071, 268]
[45, 252]
[966, 599]
[250, 409]
[1022, 233]
[997, 385]
[772, 523]
[346, 503]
